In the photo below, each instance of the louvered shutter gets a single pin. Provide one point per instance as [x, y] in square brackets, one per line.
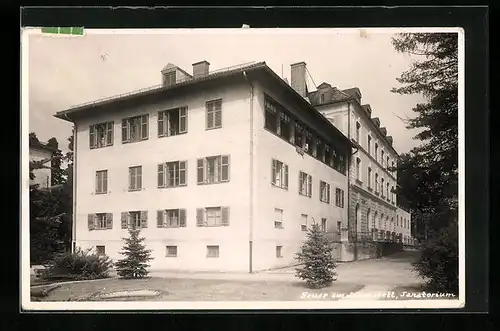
[183, 173]
[285, 185]
[91, 221]
[273, 171]
[309, 183]
[225, 216]
[182, 218]
[199, 216]
[183, 120]
[124, 220]
[161, 175]
[125, 131]
[200, 171]
[144, 127]
[92, 137]
[160, 124]
[109, 221]
[225, 168]
[210, 115]
[144, 219]
[109, 136]
[159, 218]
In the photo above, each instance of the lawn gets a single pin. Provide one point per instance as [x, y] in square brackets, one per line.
[199, 290]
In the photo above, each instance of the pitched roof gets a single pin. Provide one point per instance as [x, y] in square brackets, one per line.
[353, 92]
[41, 145]
[324, 85]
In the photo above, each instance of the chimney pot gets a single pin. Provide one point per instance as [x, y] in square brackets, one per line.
[201, 69]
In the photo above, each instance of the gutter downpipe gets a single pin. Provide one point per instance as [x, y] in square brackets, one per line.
[73, 216]
[251, 200]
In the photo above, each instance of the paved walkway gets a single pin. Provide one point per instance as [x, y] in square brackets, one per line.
[383, 273]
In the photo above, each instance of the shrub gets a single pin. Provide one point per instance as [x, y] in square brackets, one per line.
[438, 263]
[316, 259]
[135, 262]
[79, 265]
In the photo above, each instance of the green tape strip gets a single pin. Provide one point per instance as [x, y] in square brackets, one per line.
[63, 30]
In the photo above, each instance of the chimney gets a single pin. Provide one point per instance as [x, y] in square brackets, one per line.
[200, 69]
[298, 78]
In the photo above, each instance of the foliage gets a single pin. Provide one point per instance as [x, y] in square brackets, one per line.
[57, 174]
[137, 256]
[428, 174]
[316, 259]
[79, 265]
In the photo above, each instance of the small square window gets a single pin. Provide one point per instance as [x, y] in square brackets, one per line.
[100, 250]
[171, 251]
[213, 251]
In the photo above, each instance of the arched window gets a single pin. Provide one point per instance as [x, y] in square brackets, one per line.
[358, 218]
[380, 221]
[368, 215]
[374, 225]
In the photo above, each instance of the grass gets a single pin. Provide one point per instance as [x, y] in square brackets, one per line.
[199, 290]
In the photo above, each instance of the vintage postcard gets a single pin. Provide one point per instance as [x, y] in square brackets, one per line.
[242, 168]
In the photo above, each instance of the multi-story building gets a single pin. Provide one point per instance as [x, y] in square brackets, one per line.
[404, 227]
[41, 152]
[372, 176]
[221, 170]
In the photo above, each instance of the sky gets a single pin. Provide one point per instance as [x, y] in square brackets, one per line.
[65, 71]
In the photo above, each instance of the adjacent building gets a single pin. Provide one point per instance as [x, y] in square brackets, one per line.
[221, 170]
[41, 152]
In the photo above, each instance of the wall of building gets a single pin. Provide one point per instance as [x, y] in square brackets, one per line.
[42, 176]
[232, 139]
[404, 227]
[268, 197]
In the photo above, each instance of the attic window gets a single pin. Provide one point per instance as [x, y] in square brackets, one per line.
[169, 78]
[322, 98]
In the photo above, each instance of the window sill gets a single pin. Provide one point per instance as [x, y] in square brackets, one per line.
[167, 187]
[172, 135]
[359, 182]
[212, 257]
[99, 229]
[214, 128]
[280, 187]
[170, 227]
[135, 141]
[171, 256]
[211, 226]
[100, 193]
[222, 182]
[101, 147]
[135, 190]
[370, 189]
[324, 201]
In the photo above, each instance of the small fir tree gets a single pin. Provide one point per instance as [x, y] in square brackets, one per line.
[137, 256]
[317, 263]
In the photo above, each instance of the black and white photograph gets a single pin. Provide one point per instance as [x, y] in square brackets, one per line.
[242, 168]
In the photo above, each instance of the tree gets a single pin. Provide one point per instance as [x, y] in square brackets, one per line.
[135, 263]
[316, 259]
[428, 175]
[57, 174]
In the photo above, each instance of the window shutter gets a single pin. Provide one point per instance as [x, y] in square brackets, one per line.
[124, 220]
[225, 168]
[161, 175]
[309, 185]
[109, 221]
[183, 120]
[225, 216]
[91, 221]
[105, 181]
[182, 218]
[200, 170]
[159, 218]
[160, 124]
[199, 216]
[125, 131]
[286, 177]
[131, 179]
[97, 187]
[144, 219]
[218, 117]
[110, 137]
[210, 115]
[144, 127]
[273, 171]
[92, 137]
[183, 173]
[138, 175]
[300, 182]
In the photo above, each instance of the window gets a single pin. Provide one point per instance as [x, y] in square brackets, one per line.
[308, 147]
[376, 152]
[305, 184]
[382, 158]
[397, 220]
[212, 216]
[303, 224]
[328, 156]
[171, 251]
[382, 187]
[213, 169]
[369, 178]
[135, 129]
[278, 218]
[368, 214]
[393, 170]
[135, 178]
[171, 218]
[376, 183]
[279, 251]
[271, 115]
[172, 174]
[279, 174]
[284, 128]
[101, 182]
[324, 191]
[299, 138]
[322, 98]
[387, 164]
[214, 114]
[339, 197]
[358, 128]
[374, 219]
[387, 191]
[358, 169]
[100, 250]
[172, 122]
[134, 219]
[369, 145]
[169, 78]
[323, 225]
[320, 150]
[213, 251]
[101, 135]
[100, 221]
[339, 227]
[380, 221]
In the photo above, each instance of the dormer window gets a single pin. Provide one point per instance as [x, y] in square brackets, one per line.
[322, 98]
[169, 78]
